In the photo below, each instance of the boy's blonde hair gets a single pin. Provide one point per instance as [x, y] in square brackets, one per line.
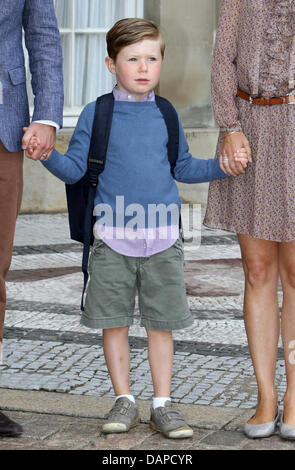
[130, 31]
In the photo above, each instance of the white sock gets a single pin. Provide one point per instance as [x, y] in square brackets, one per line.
[160, 401]
[130, 397]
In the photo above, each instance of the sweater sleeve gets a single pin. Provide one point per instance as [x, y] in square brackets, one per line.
[224, 80]
[72, 166]
[194, 170]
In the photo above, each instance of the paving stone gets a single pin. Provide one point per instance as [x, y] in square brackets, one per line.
[225, 439]
[20, 417]
[123, 441]
[64, 444]
[75, 434]
[43, 427]
[21, 443]
[237, 424]
[159, 441]
[270, 443]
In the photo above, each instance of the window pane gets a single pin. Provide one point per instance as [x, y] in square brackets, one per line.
[98, 13]
[63, 13]
[91, 75]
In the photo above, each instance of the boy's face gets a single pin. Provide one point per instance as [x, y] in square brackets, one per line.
[137, 67]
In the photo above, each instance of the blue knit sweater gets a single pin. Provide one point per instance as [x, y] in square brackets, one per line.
[137, 165]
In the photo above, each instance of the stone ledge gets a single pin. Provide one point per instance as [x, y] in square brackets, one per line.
[205, 417]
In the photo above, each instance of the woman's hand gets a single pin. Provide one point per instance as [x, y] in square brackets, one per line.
[233, 146]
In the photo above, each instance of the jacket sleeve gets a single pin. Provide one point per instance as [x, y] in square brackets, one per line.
[224, 80]
[194, 170]
[72, 166]
[42, 40]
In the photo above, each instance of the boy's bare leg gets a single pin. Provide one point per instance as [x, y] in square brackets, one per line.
[124, 415]
[160, 355]
[117, 356]
[164, 418]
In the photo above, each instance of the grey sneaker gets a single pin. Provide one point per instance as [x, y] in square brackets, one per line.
[123, 416]
[170, 422]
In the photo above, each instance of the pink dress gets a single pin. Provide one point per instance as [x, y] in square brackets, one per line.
[255, 51]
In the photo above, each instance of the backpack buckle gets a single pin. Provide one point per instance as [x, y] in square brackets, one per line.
[93, 179]
[98, 162]
[95, 167]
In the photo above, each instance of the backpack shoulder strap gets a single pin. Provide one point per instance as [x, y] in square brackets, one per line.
[172, 123]
[171, 119]
[101, 129]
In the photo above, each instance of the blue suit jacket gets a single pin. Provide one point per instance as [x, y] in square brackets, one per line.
[42, 39]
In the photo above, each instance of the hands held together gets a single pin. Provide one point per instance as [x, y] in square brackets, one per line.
[39, 141]
[235, 153]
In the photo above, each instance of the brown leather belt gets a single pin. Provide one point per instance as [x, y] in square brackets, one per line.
[261, 101]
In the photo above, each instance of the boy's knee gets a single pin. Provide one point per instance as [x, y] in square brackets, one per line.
[120, 330]
[159, 333]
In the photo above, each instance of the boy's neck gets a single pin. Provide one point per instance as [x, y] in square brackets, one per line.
[125, 96]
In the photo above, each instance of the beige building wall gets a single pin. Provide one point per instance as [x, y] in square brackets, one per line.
[188, 27]
[43, 192]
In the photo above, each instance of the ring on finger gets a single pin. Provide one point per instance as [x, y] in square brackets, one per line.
[225, 160]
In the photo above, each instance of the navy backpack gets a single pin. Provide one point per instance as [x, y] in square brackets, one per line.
[81, 195]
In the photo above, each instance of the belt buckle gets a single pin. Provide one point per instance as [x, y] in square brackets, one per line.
[292, 93]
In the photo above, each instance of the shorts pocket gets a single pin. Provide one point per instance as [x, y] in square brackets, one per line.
[97, 250]
[178, 245]
[98, 246]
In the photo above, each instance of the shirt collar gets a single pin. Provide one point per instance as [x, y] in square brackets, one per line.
[123, 96]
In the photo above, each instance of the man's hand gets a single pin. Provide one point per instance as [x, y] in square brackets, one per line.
[46, 136]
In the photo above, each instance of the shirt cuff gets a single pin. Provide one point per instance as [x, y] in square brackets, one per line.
[49, 123]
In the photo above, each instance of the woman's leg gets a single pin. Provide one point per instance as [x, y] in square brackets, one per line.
[160, 354]
[287, 273]
[262, 320]
[117, 356]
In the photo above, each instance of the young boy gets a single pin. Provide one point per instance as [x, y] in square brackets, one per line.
[136, 169]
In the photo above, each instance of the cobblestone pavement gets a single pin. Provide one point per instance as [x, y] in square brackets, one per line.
[47, 350]
[58, 432]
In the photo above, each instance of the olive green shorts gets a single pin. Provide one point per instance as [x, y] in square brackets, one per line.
[115, 279]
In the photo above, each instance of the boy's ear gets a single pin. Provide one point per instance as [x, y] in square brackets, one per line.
[110, 65]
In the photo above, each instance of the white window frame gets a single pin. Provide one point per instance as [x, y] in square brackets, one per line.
[134, 8]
